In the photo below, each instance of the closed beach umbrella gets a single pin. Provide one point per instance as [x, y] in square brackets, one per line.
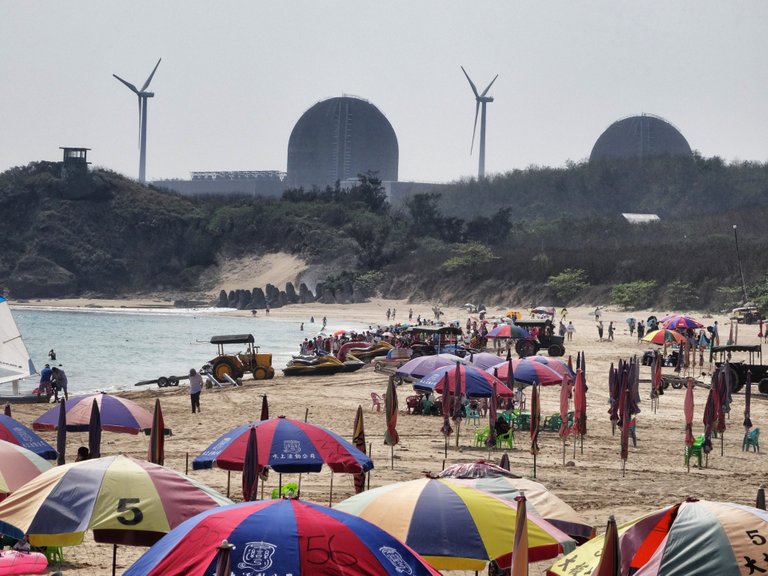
[580, 405]
[692, 538]
[264, 408]
[156, 451]
[117, 415]
[286, 446]
[287, 536]
[94, 431]
[16, 433]
[391, 436]
[539, 499]
[520, 549]
[565, 396]
[121, 499]
[610, 558]
[358, 439]
[18, 466]
[535, 419]
[453, 527]
[7, 410]
[251, 467]
[61, 432]
[446, 409]
[688, 413]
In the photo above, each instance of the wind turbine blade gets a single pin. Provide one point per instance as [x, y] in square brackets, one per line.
[472, 84]
[131, 86]
[146, 84]
[477, 109]
[489, 86]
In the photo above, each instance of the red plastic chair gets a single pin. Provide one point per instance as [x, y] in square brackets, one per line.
[376, 402]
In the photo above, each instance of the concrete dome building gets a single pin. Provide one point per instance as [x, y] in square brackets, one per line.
[644, 135]
[339, 138]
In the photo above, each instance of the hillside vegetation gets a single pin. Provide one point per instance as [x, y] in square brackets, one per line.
[541, 235]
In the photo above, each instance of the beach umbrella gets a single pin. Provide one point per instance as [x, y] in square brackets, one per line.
[122, 500]
[94, 431]
[565, 399]
[477, 469]
[535, 421]
[579, 409]
[664, 336]
[391, 436]
[16, 433]
[540, 501]
[453, 527]
[7, 410]
[760, 501]
[446, 429]
[625, 415]
[690, 538]
[557, 365]
[61, 433]
[117, 415]
[286, 446]
[520, 549]
[18, 466]
[156, 451]
[504, 461]
[358, 439]
[508, 331]
[484, 360]
[613, 393]
[472, 382]
[492, 409]
[423, 365]
[251, 467]
[688, 413]
[610, 557]
[526, 371]
[710, 414]
[287, 536]
[678, 321]
[264, 408]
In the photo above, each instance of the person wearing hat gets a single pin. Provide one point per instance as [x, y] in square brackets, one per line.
[45, 381]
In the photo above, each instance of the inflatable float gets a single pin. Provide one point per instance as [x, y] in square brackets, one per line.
[320, 365]
[16, 562]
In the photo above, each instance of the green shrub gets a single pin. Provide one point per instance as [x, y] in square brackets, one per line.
[682, 295]
[633, 295]
[468, 256]
[567, 283]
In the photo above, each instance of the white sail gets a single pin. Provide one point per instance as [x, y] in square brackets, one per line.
[15, 362]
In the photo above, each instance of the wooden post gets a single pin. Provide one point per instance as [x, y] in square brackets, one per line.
[186, 463]
[228, 479]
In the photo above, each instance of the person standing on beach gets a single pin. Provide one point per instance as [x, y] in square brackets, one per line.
[600, 329]
[195, 387]
[640, 330]
[45, 381]
[569, 330]
[410, 314]
[610, 331]
[60, 378]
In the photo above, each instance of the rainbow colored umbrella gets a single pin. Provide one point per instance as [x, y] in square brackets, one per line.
[16, 433]
[475, 383]
[123, 500]
[287, 536]
[677, 321]
[691, 538]
[286, 446]
[453, 527]
[527, 371]
[117, 415]
[18, 466]
[541, 502]
[508, 331]
[664, 336]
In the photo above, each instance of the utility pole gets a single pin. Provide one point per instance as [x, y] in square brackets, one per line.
[738, 258]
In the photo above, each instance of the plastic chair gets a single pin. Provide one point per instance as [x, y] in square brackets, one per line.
[507, 439]
[695, 450]
[481, 435]
[552, 423]
[752, 439]
[473, 414]
[54, 554]
[376, 401]
[413, 404]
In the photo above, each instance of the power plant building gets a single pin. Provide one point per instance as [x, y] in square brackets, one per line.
[644, 135]
[339, 138]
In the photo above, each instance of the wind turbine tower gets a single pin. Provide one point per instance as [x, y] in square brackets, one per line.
[480, 101]
[143, 96]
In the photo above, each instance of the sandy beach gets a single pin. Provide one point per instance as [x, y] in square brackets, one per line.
[592, 482]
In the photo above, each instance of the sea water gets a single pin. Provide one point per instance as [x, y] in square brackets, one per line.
[113, 348]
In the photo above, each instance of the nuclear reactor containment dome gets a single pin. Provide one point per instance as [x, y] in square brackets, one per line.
[644, 135]
[339, 138]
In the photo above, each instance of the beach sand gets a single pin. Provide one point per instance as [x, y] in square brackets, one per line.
[594, 484]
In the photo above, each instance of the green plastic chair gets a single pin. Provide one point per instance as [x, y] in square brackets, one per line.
[752, 439]
[481, 435]
[507, 439]
[695, 450]
[54, 554]
[552, 423]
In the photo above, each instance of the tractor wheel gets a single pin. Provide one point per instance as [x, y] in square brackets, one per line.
[260, 373]
[270, 373]
[677, 383]
[162, 381]
[173, 381]
[377, 366]
[762, 387]
[223, 367]
[736, 383]
[525, 348]
[556, 350]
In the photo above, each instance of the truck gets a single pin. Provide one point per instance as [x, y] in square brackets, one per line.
[738, 368]
[545, 338]
[236, 365]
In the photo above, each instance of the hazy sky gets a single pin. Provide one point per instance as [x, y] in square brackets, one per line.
[237, 75]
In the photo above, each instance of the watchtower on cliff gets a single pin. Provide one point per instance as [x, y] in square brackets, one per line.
[75, 162]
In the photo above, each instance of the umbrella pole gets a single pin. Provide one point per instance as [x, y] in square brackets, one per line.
[392, 457]
[114, 559]
[306, 414]
[458, 429]
[722, 442]
[581, 443]
[228, 478]
[299, 487]
[575, 441]
[445, 454]
[330, 496]
[563, 451]
[186, 463]
[262, 488]
[280, 485]
[623, 468]
[534, 465]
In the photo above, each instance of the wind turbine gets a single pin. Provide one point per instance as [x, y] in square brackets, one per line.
[143, 96]
[480, 99]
